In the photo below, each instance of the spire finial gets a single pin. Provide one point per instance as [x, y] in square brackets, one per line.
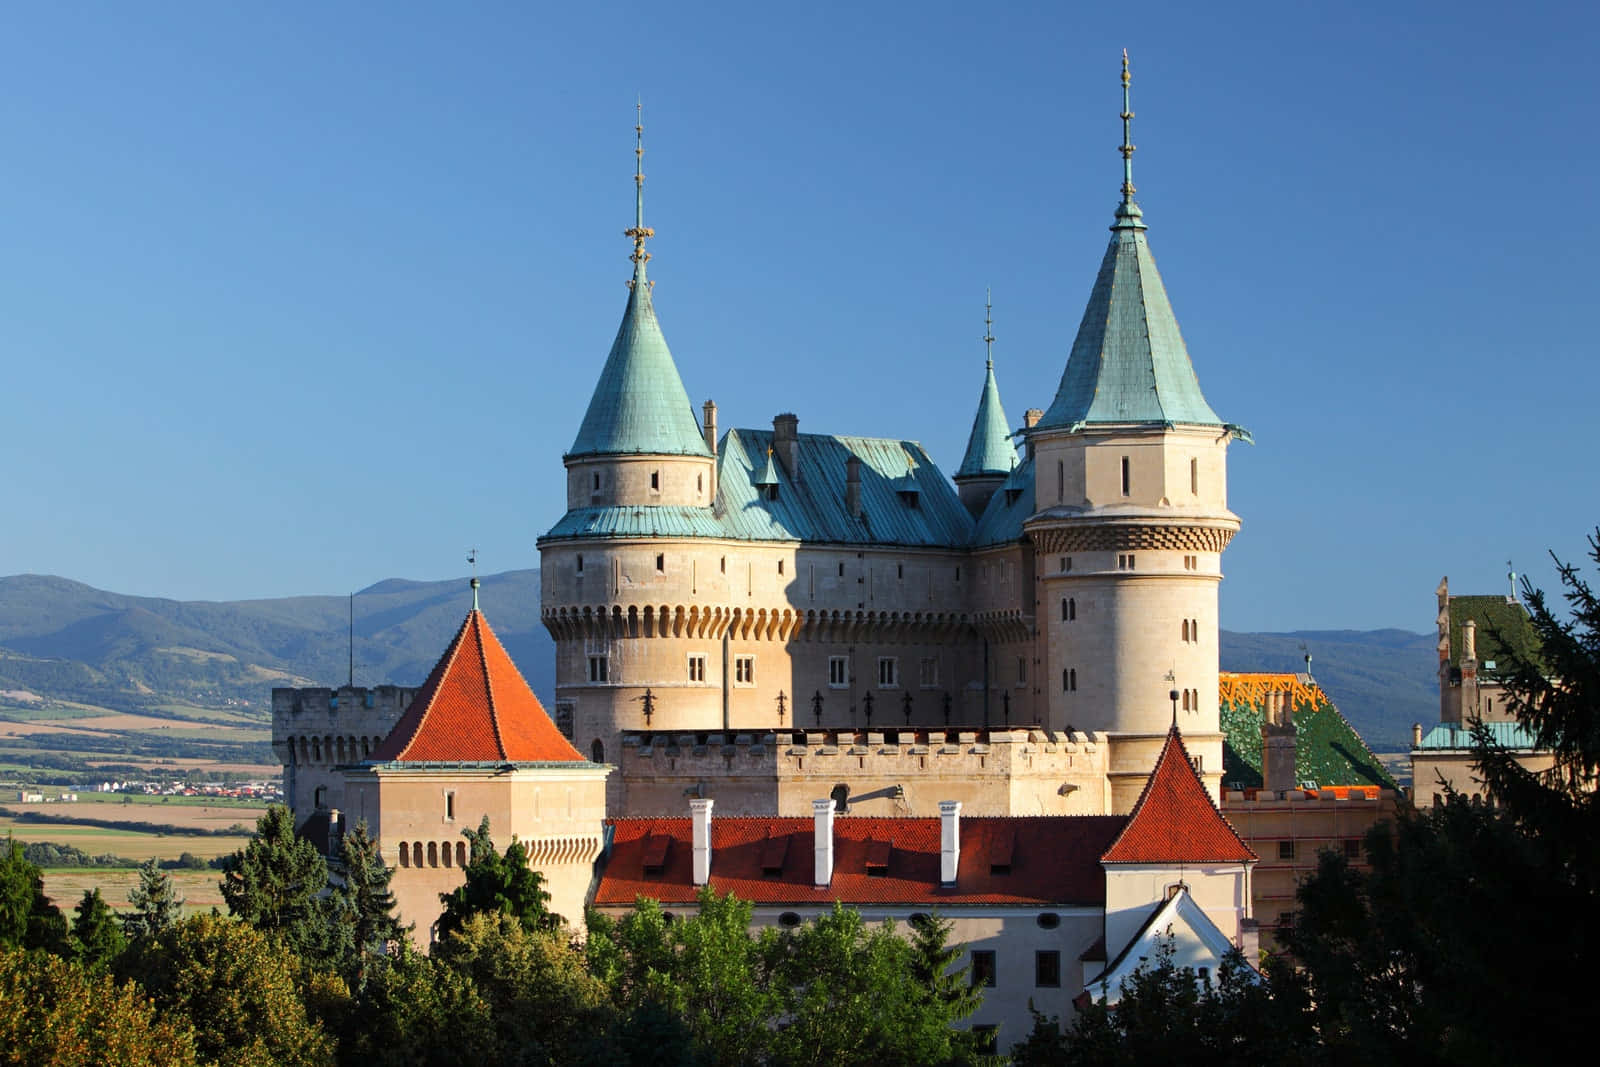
[988, 326]
[640, 231]
[472, 558]
[1128, 213]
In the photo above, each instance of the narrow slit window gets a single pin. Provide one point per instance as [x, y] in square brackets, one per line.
[1061, 481]
[1194, 476]
[580, 563]
[1127, 480]
[661, 563]
[655, 481]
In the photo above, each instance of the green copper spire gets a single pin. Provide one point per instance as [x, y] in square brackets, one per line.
[1128, 363]
[639, 405]
[989, 447]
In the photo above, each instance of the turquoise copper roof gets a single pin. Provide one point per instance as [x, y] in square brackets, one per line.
[1128, 363]
[989, 447]
[1512, 735]
[1011, 504]
[639, 405]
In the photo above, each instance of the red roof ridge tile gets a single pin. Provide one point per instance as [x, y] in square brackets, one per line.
[1175, 819]
[476, 618]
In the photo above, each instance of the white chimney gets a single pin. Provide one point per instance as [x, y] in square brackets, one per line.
[949, 841]
[700, 814]
[822, 816]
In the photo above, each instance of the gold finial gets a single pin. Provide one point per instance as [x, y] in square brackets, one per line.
[639, 230]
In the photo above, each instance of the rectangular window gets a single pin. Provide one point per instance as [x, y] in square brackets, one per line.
[1352, 849]
[1125, 561]
[599, 669]
[655, 480]
[580, 563]
[838, 672]
[697, 667]
[1047, 969]
[661, 563]
[1194, 476]
[564, 718]
[928, 675]
[1022, 670]
[888, 672]
[450, 804]
[780, 566]
[744, 670]
[1127, 480]
[1286, 850]
[983, 971]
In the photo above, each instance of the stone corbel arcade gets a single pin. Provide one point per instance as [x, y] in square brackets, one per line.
[603, 622]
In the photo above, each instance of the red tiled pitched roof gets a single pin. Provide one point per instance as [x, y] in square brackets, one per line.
[475, 708]
[1055, 861]
[1175, 820]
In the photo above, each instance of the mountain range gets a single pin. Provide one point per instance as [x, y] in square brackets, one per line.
[62, 640]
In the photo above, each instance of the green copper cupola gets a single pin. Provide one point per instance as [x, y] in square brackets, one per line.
[639, 405]
[989, 447]
[1128, 363]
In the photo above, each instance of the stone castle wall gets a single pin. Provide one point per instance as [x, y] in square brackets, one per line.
[317, 729]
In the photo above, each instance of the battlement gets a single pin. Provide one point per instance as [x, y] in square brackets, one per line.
[1023, 771]
[318, 728]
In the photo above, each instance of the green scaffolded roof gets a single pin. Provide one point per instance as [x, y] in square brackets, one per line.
[1327, 749]
[639, 405]
[1504, 632]
[989, 447]
[1128, 363]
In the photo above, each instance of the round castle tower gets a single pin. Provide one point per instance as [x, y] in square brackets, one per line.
[1131, 518]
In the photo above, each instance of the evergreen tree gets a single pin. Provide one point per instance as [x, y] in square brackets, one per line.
[274, 884]
[362, 901]
[97, 939]
[27, 918]
[496, 883]
[156, 904]
[949, 988]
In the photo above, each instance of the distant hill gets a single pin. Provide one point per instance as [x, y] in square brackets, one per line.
[67, 641]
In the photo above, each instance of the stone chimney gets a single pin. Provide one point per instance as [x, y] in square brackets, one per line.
[710, 424]
[786, 442]
[822, 819]
[949, 841]
[1416, 735]
[1469, 640]
[1030, 419]
[1278, 745]
[700, 815]
[852, 487]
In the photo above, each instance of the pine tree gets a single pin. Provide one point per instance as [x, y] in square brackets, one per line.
[27, 918]
[274, 883]
[362, 900]
[156, 904]
[97, 940]
[949, 988]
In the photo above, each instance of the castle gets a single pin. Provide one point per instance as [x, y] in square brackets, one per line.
[701, 589]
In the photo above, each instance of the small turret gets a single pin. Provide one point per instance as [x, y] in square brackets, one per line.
[990, 455]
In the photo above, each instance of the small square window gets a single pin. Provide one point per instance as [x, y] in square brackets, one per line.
[838, 672]
[1286, 850]
[928, 672]
[744, 670]
[983, 969]
[697, 668]
[1047, 969]
[888, 672]
[1352, 849]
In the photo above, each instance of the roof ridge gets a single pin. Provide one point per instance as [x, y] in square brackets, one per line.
[488, 684]
[1137, 817]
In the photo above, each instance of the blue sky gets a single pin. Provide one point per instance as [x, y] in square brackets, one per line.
[293, 299]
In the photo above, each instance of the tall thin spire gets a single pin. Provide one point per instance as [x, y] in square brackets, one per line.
[640, 231]
[988, 327]
[1128, 213]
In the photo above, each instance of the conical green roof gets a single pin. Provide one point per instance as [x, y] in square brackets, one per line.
[1128, 363]
[639, 404]
[989, 448]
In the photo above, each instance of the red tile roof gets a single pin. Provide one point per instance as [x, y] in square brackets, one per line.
[1175, 820]
[475, 708]
[1055, 860]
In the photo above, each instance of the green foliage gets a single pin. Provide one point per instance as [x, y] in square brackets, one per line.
[57, 1014]
[27, 918]
[156, 904]
[236, 986]
[416, 1012]
[361, 901]
[274, 883]
[546, 1007]
[948, 988]
[47, 854]
[97, 939]
[497, 884]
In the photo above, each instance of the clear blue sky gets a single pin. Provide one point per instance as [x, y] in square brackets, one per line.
[298, 297]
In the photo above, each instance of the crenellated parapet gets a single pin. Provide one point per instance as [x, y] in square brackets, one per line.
[878, 772]
[317, 729]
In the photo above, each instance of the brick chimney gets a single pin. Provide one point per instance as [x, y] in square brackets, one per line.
[949, 841]
[822, 819]
[710, 424]
[1278, 745]
[700, 814]
[852, 487]
[786, 442]
[1030, 419]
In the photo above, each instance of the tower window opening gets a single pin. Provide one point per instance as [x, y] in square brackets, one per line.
[450, 804]
[1061, 481]
[899, 570]
[1127, 480]
[744, 670]
[1022, 670]
[888, 672]
[838, 672]
[1194, 476]
[597, 481]
[599, 669]
[1066, 564]
[655, 481]
[723, 565]
[958, 574]
[661, 563]
[580, 562]
[1072, 608]
[1063, 610]
[699, 483]
[780, 566]
[841, 569]
[697, 667]
[597, 751]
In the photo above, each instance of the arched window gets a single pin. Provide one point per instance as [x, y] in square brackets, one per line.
[1072, 608]
[461, 853]
[597, 752]
[446, 852]
[416, 853]
[405, 855]
[433, 854]
[316, 749]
